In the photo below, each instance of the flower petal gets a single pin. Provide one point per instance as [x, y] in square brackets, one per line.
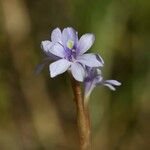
[69, 34]
[56, 35]
[85, 42]
[113, 82]
[46, 46]
[39, 68]
[100, 58]
[90, 85]
[110, 86]
[91, 60]
[88, 88]
[58, 50]
[59, 67]
[77, 71]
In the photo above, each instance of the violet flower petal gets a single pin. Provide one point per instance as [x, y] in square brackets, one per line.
[100, 58]
[94, 78]
[78, 71]
[110, 86]
[56, 35]
[69, 34]
[39, 68]
[90, 60]
[88, 88]
[113, 82]
[85, 43]
[57, 50]
[90, 85]
[46, 46]
[59, 67]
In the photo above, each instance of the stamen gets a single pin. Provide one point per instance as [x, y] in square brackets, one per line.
[70, 44]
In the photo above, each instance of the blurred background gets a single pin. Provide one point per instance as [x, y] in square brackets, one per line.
[37, 112]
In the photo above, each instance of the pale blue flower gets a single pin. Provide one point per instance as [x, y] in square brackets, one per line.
[94, 78]
[70, 53]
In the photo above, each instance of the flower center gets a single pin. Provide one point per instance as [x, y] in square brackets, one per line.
[70, 44]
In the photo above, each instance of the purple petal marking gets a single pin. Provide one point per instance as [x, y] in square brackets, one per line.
[57, 50]
[78, 71]
[59, 67]
[100, 58]
[85, 43]
[90, 60]
[46, 46]
[56, 35]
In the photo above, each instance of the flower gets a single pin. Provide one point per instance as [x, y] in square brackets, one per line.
[70, 53]
[94, 78]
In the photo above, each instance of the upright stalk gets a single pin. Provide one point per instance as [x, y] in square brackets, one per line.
[83, 121]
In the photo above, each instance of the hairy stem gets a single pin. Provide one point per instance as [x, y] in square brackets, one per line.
[83, 120]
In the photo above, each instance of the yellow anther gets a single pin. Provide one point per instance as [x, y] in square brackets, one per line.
[70, 44]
